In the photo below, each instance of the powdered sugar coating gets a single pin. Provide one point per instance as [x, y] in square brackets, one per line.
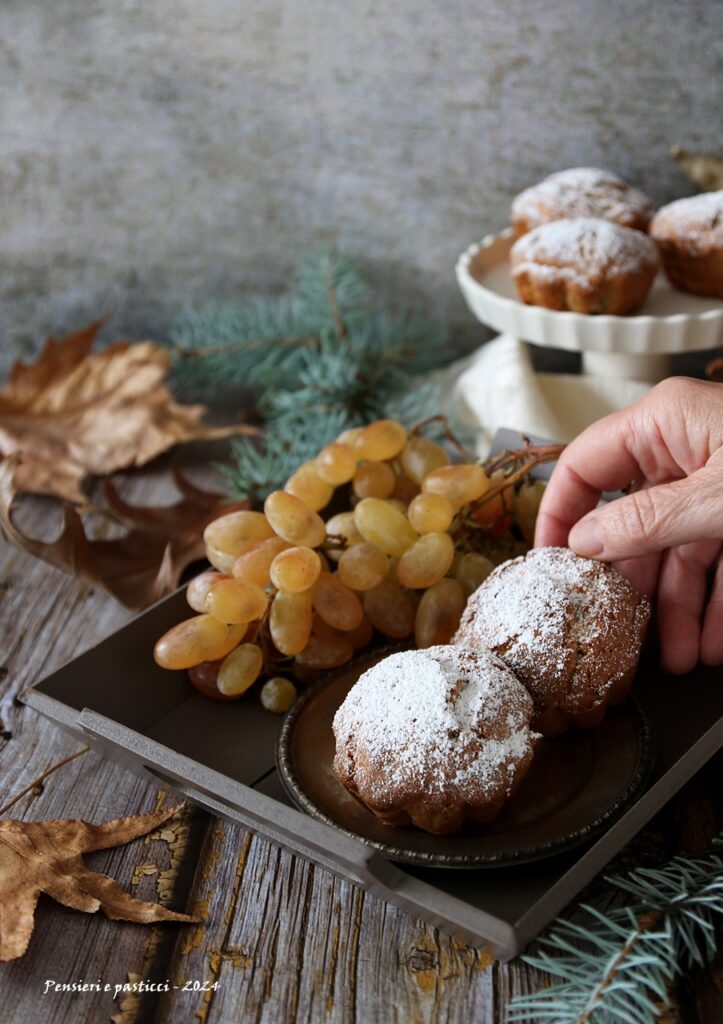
[696, 221]
[586, 250]
[569, 627]
[581, 192]
[431, 732]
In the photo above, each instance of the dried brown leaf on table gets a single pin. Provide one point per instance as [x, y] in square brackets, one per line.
[714, 369]
[705, 170]
[75, 412]
[47, 856]
[138, 568]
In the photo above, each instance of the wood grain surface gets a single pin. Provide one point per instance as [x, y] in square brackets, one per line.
[284, 940]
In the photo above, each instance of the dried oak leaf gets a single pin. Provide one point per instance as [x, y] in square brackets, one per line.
[47, 856]
[704, 169]
[138, 568]
[75, 412]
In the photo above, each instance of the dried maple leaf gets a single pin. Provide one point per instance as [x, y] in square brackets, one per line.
[714, 369]
[704, 169]
[47, 856]
[142, 566]
[74, 413]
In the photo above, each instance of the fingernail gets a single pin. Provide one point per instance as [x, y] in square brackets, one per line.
[586, 538]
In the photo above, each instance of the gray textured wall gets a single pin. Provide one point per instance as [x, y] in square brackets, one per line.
[160, 153]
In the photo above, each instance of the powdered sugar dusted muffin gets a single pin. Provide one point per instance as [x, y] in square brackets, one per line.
[689, 235]
[570, 629]
[581, 192]
[434, 737]
[587, 265]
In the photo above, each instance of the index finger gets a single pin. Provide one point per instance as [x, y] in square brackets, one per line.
[599, 459]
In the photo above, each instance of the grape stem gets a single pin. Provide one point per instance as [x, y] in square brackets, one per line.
[272, 659]
[518, 462]
[515, 465]
[447, 433]
[335, 542]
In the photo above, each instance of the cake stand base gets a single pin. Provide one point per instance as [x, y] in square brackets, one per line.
[628, 366]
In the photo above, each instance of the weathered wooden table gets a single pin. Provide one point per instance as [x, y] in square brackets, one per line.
[285, 940]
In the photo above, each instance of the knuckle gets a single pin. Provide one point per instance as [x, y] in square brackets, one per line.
[664, 394]
[677, 388]
[679, 397]
[641, 516]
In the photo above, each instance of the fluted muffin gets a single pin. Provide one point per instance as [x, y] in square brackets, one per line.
[689, 235]
[581, 192]
[434, 738]
[570, 628]
[586, 265]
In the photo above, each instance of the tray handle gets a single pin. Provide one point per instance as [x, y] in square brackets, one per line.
[349, 858]
[237, 801]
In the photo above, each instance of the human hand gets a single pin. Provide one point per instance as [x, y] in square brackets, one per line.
[667, 535]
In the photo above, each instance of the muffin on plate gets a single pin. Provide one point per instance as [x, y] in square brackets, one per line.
[570, 628]
[689, 235]
[434, 738]
[587, 265]
[581, 192]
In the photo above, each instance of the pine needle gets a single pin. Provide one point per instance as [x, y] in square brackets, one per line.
[617, 967]
[314, 362]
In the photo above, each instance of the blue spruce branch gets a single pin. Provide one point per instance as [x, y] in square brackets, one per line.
[616, 968]
[314, 362]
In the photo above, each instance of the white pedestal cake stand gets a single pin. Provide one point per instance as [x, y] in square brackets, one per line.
[636, 347]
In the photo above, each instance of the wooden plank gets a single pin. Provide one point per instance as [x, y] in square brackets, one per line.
[289, 941]
[286, 941]
[48, 618]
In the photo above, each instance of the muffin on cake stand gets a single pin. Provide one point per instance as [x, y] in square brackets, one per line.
[638, 347]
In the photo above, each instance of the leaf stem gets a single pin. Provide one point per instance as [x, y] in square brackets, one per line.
[36, 782]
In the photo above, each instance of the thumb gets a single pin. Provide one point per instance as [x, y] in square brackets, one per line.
[654, 519]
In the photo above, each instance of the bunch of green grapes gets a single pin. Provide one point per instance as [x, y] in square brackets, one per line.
[293, 593]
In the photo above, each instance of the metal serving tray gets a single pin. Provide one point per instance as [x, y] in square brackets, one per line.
[221, 755]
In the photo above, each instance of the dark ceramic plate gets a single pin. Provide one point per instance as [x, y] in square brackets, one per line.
[578, 784]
